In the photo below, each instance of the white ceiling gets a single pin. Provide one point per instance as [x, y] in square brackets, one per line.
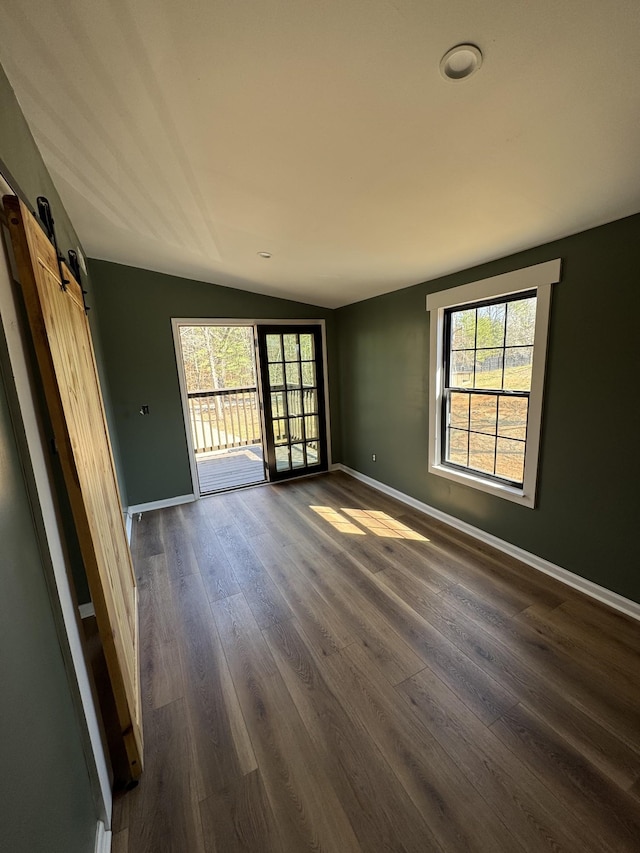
[188, 136]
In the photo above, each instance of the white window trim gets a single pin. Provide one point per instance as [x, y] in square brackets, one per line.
[539, 278]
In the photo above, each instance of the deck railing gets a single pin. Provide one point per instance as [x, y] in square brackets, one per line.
[223, 419]
[231, 417]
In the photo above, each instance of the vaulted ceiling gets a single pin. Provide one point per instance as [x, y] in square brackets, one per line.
[188, 136]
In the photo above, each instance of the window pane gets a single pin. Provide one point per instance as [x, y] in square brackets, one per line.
[517, 369]
[297, 456]
[521, 322]
[280, 434]
[311, 426]
[489, 368]
[313, 453]
[463, 329]
[308, 374]
[274, 348]
[310, 401]
[482, 452]
[510, 459]
[490, 331]
[295, 429]
[277, 405]
[290, 347]
[307, 352]
[461, 370]
[276, 377]
[459, 410]
[512, 417]
[458, 446]
[293, 375]
[282, 458]
[294, 401]
[484, 408]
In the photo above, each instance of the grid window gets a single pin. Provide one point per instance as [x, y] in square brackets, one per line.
[488, 361]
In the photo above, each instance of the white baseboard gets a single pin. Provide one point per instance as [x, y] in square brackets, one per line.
[128, 524]
[103, 839]
[86, 610]
[594, 590]
[165, 502]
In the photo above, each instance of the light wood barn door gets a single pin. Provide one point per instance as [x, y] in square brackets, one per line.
[64, 350]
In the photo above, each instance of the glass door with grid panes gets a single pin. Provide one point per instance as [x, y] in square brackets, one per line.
[293, 397]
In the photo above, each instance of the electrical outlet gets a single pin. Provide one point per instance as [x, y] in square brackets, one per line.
[373, 457]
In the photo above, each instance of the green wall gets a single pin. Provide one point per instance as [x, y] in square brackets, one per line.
[23, 166]
[135, 309]
[586, 517]
[46, 803]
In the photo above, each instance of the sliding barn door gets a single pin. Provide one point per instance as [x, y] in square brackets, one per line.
[66, 360]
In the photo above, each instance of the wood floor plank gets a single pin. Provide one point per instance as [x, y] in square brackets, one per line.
[213, 565]
[382, 817]
[265, 502]
[624, 629]
[177, 549]
[524, 803]
[457, 815]
[215, 509]
[471, 553]
[611, 814]
[161, 676]
[534, 635]
[371, 550]
[391, 653]
[246, 515]
[121, 815]
[219, 758]
[305, 804]
[452, 563]
[532, 669]
[306, 688]
[241, 740]
[578, 638]
[239, 819]
[483, 694]
[262, 595]
[164, 813]
[145, 534]
[324, 628]
[120, 841]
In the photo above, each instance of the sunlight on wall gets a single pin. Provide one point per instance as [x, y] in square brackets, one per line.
[375, 521]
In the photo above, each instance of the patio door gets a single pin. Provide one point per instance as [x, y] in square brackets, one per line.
[217, 366]
[292, 381]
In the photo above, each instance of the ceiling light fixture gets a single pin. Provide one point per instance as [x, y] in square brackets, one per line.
[461, 62]
[264, 254]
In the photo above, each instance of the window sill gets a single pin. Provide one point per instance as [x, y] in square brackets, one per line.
[500, 490]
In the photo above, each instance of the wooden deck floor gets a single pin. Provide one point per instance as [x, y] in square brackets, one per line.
[230, 469]
[325, 669]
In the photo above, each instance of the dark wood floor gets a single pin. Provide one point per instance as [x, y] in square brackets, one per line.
[316, 678]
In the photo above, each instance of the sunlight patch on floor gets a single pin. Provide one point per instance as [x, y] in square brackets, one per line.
[374, 521]
[382, 524]
[338, 521]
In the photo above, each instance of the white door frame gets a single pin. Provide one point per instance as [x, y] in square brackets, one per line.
[177, 322]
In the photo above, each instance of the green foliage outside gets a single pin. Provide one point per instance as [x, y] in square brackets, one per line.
[217, 357]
